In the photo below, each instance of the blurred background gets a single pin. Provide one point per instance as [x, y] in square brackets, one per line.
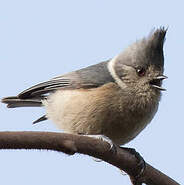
[40, 39]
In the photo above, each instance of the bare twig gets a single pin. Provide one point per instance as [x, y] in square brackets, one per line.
[71, 144]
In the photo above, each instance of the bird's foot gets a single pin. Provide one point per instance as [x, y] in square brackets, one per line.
[141, 162]
[106, 139]
[103, 138]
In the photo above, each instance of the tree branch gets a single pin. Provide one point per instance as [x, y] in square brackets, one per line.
[71, 144]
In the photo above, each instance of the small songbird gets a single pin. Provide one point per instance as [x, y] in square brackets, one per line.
[116, 98]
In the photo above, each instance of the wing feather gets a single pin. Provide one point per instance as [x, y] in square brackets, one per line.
[89, 77]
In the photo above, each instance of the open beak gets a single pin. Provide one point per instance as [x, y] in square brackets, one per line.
[157, 82]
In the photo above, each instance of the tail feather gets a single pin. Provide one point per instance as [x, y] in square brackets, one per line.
[43, 118]
[14, 101]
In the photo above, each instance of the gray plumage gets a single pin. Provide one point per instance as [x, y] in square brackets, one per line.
[15, 101]
[89, 77]
[116, 98]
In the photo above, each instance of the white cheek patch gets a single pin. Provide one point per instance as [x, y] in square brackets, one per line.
[112, 71]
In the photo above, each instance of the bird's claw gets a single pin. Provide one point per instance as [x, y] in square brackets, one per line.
[106, 139]
[141, 162]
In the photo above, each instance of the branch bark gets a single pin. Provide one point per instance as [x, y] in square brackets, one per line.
[71, 144]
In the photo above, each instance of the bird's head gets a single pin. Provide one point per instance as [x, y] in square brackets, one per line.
[140, 67]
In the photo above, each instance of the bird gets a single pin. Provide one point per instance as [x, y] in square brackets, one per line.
[116, 98]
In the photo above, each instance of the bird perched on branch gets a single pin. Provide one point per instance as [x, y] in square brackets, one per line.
[116, 98]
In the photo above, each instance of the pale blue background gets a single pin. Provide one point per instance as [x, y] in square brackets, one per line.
[42, 39]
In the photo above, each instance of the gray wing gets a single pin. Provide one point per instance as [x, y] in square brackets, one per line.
[89, 77]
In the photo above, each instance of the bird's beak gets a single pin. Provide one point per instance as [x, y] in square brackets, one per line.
[157, 81]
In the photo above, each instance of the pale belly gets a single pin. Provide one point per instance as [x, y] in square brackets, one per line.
[83, 112]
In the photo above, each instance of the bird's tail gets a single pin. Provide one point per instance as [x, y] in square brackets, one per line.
[15, 101]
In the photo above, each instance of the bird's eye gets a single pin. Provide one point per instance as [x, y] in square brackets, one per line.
[141, 72]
